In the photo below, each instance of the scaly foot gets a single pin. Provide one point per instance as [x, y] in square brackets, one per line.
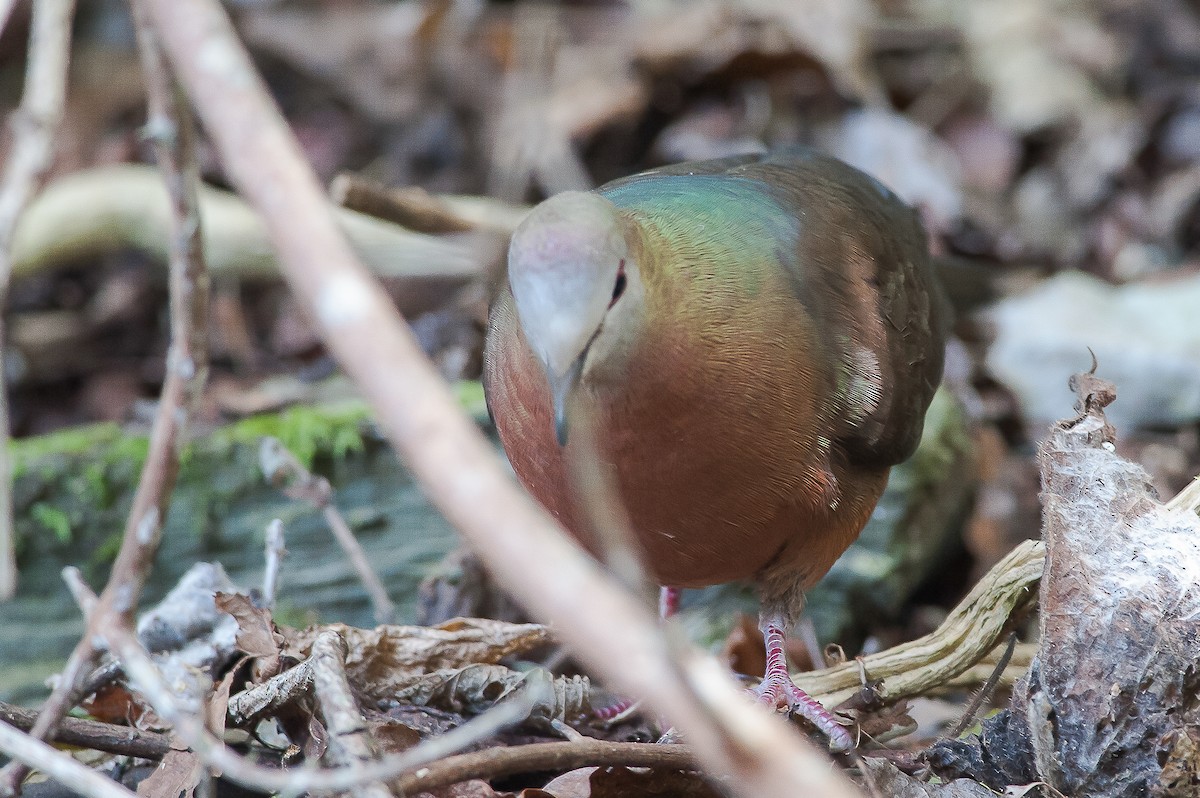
[778, 690]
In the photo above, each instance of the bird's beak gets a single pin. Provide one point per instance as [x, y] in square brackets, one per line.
[562, 387]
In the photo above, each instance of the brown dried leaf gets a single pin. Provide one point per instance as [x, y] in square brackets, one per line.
[743, 648]
[1018, 49]
[886, 723]
[386, 658]
[1181, 774]
[113, 703]
[369, 52]
[217, 706]
[622, 782]
[391, 736]
[176, 776]
[572, 784]
[256, 630]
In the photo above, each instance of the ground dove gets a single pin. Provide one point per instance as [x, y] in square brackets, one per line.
[755, 341]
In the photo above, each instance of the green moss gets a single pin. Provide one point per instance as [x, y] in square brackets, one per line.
[288, 614]
[29, 453]
[335, 430]
[72, 489]
[53, 519]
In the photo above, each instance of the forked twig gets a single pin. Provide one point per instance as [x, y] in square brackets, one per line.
[281, 468]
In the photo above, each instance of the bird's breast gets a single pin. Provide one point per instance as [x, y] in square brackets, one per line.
[713, 456]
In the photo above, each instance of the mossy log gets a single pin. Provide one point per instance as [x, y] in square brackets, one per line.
[73, 489]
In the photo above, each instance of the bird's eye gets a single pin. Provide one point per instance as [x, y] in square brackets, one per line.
[619, 285]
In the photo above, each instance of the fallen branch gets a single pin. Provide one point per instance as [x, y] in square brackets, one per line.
[84, 215]
[92, 734]
[263, 700]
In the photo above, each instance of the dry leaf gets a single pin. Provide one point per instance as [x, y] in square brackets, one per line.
[1017, 47]
[175, 777]
[622, 782]
[113, 703]
[1181, 773]
[391, 736]
[476, 688]
[572, 784]
[256, 630]
[385, 659]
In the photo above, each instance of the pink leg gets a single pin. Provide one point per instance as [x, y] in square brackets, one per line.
[668, 605]
[668, 602]
[778, 688]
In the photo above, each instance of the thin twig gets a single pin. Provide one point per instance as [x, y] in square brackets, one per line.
[284, 471]
[271, 696]
[492, 763]
[85, 597]
[349, 744]
[274, 557]
[457, 467]
[984, 692]
[81, 779]
[416, 209]
[601, 505]
[35, 124]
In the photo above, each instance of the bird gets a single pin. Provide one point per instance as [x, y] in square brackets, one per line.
[755, 339]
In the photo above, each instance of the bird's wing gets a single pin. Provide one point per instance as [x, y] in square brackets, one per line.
[860, 269]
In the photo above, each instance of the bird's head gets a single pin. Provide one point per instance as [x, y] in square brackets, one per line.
[574, 280]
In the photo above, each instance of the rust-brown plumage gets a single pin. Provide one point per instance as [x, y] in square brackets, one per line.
[756, 339]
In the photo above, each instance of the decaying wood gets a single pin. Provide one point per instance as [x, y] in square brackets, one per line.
[1111, 701]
